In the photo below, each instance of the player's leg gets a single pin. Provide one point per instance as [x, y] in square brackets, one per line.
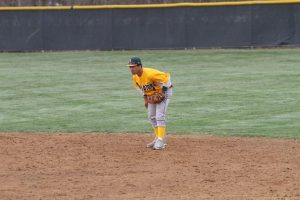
[161, 110]
[152, 119]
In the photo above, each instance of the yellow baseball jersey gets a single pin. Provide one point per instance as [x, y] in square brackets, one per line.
[151, 81]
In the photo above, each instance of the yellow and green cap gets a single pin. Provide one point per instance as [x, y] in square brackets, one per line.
[134, 61]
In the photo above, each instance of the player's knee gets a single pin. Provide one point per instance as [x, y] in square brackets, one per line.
[152, 119]
[160, 117]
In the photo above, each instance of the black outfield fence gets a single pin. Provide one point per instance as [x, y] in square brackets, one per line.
[186, 25]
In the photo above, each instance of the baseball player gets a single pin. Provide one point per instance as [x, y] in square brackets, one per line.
[156, 88]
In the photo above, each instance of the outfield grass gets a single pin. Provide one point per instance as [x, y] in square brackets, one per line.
[223, 92]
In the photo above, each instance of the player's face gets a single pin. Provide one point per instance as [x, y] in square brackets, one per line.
[134, 69]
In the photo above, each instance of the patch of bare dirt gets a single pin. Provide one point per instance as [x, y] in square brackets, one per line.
[118, 166]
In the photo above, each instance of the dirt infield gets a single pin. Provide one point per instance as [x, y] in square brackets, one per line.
[106, 166]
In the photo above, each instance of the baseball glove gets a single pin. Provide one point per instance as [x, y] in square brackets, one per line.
[156, 98]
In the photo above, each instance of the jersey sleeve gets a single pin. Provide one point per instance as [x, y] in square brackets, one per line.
[162, 78]
[134, 83]
[136, 86]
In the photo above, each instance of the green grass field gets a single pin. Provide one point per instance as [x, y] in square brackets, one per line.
[222, 92]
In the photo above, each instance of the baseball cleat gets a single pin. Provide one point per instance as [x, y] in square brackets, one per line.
[159, 144]
[165, 142]
[151, 144]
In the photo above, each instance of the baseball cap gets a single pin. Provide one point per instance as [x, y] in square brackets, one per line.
[134, 61]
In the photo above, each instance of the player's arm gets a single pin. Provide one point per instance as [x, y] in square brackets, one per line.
[137, 87]
[145, 101]
[163, 79]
